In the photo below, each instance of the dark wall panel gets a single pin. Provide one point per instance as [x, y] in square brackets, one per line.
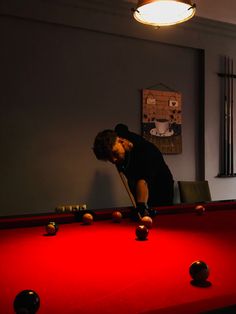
[60, 86]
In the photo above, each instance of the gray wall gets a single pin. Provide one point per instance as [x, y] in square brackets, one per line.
[64, 78]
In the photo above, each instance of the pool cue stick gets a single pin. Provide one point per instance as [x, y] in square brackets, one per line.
[229, 119]
[232, 119]
[226, 116]
[225, 119]
[124, 181]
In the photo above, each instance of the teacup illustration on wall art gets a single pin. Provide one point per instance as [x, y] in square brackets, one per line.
[162, 126]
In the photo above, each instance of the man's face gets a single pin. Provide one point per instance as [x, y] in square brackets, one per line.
[118, 152]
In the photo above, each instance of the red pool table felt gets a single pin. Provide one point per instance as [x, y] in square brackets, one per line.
[103, 268]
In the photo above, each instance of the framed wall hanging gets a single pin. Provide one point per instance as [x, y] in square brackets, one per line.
[162, 119]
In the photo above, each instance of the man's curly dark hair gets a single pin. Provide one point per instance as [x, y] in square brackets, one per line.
[103, 144]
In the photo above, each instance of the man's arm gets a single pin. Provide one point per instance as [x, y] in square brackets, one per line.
[142, 192]
[140, 204]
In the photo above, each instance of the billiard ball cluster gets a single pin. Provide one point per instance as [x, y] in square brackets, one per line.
[142, 230]
[70, 208]
[28, 301]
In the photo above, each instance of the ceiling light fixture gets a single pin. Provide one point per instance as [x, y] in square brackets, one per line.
[164, 12]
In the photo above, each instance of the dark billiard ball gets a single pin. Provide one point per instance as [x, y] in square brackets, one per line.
[117, 216]
[26, 301]
[147, 221]
[199, 209]
[142, 232]
[199, 271]
[51, 228]
[87, 219]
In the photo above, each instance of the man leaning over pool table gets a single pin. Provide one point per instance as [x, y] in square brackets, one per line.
[149, 178]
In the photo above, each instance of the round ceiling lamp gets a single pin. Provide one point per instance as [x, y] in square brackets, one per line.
[164, 12]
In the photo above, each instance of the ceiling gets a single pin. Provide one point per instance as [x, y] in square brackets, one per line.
[218, 10]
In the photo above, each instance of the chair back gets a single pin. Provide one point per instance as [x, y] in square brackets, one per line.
[194, 191]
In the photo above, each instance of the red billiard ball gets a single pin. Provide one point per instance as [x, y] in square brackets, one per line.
[26, 301]
[117, 216]
[200, 210]
[87, 219]
[199, 271]
[51, 228]
[147, 221]
[142, 232]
